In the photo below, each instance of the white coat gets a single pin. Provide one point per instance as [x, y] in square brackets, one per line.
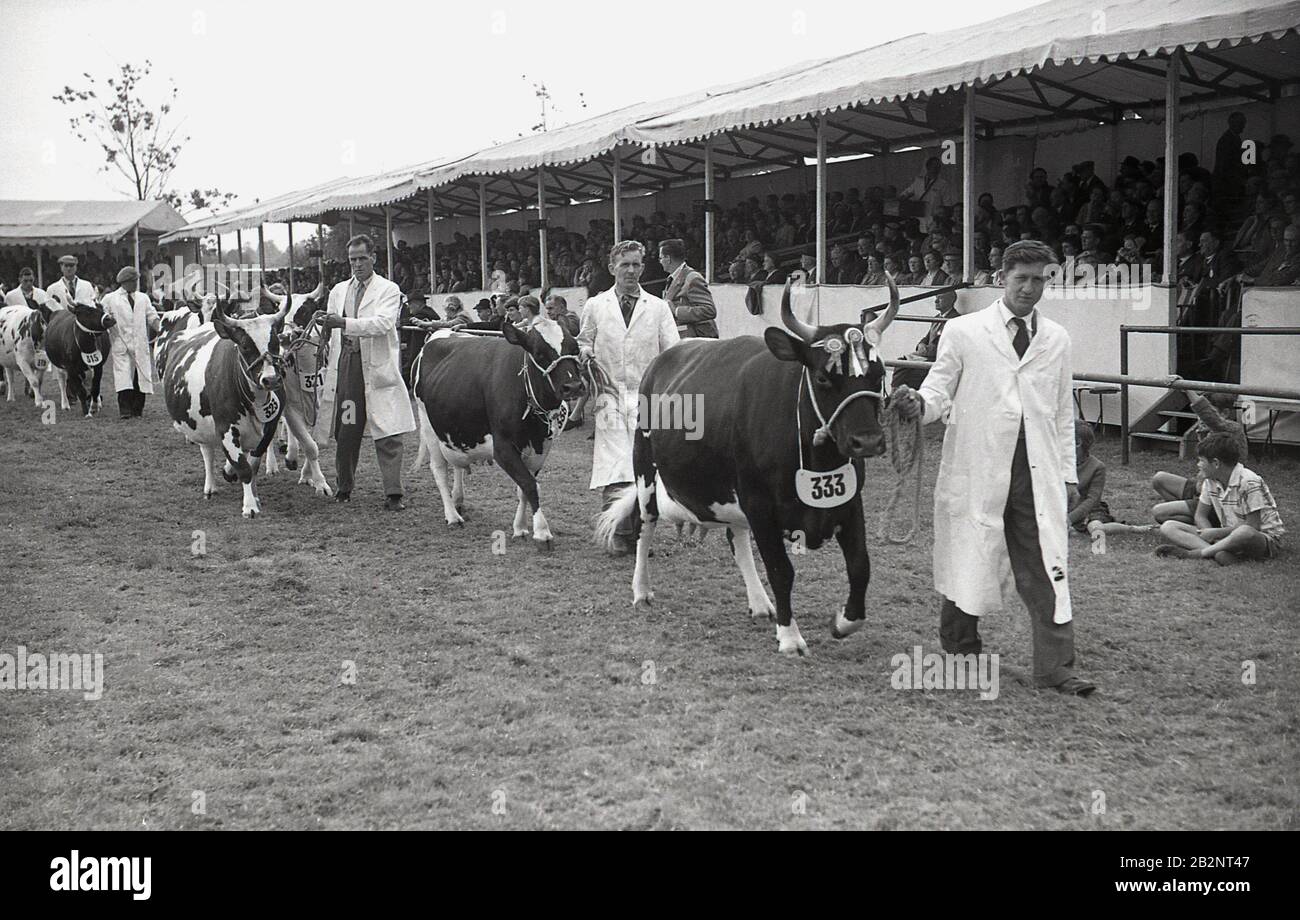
[388, 406]
[135, 316]
[16, 298]
[61, 297]
[981, 388]
[624, 351]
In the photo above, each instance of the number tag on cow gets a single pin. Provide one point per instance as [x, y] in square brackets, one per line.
[42, 361]
[270, 408]
[91, 358]
[312, 381]
[826, 488]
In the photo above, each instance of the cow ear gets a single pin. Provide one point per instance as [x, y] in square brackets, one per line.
[514, 336]
[784, 345]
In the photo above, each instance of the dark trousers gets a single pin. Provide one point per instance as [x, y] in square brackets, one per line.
[350, 425]
[624, 529]
[1053, 643]
[130, 403]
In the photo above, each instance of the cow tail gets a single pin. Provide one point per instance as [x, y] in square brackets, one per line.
[625, 505]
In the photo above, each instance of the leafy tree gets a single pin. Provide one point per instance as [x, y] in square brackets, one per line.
[139, 139]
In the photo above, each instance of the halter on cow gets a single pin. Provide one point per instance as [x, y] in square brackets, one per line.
[223, 389]
[786, 422]
[76, 340]
[481, 399]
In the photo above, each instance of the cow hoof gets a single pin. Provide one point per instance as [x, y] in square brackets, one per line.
[842, 627]
[789, 641]
[793, 649]
[229, 475]
[323, 491]
[522, 536]
[642, 605]
[456, 525]
[250, 513]
[758, 615]
[290, 464]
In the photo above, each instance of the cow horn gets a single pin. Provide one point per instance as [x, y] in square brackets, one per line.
[318, 293]
[793, 323]
[881, 322]
[284, 300]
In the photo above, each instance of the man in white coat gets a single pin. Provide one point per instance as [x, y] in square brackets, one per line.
[1002, 382]
[623, 329]
[132, 362]
[70, 289]
[366, 395]
[27, 294]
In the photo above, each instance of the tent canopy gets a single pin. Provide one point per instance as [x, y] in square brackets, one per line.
[1058, 67]
[53, 223]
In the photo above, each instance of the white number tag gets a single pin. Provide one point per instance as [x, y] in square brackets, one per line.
[91, 358]
[826, 488]
[269, 409]
[42, 361]
[311, 381]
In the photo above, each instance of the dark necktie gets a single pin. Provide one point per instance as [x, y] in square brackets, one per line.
[628, 303]
[1021, 340]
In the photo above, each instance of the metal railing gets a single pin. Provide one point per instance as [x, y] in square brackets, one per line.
[1177, 383]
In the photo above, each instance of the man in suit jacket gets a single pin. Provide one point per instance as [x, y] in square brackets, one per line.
[367, 393]
[1001, 382]
[687, 293]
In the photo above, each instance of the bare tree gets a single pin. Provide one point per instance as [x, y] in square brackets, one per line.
[140, 141]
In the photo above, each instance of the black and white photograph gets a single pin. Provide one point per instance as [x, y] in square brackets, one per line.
[574, 416]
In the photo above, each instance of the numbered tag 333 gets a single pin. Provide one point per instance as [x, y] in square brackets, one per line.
[826, 488]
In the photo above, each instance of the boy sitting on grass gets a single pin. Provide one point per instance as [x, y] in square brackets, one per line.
[1252, 528]
[1180, 495]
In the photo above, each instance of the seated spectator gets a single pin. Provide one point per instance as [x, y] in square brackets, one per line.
[772, 272]
[875, 271]
[1091, 512]
[1283, 268]
[736, 273]
[928, 347]
[1177, 493]
[952, 266]
[1252, 241]
[1236, 517]
[915, 271]
[933, 274]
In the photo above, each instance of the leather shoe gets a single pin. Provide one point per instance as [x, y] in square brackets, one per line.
[343, 497]
[1076, 686]
[394, 503]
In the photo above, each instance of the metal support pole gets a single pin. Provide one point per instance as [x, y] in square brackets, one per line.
[351, 228]
[239, 260]
[198, 252]
[1171, 170]
[618, 193]
[320, 258]
[288, 287]
[40, 271]
[261, 255]
[388, 238]
[220, 255]
[1123, 395]
[482, 231]
[821, 201]
[433, 262]
[135, 233]
[968, 186]
[708, 212]
[541, 215]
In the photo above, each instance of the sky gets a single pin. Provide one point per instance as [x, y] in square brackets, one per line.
[278, 96]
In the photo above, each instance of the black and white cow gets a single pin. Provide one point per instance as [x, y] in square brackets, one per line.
[784, 423]
[76, 341]
[224, 391]
[22, 347]
[306, 360]
[485, 399]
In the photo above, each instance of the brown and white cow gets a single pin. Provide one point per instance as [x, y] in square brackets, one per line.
[22, 347]
[224, 391]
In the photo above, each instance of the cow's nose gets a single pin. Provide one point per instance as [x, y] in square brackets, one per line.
[867, 445]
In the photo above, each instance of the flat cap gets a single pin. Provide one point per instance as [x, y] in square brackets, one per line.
[127, 274]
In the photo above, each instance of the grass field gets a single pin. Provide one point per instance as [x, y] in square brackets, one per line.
[520, 691]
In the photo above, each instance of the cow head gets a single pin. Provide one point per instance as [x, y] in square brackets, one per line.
[843, 371]
[259, 346]
[91, 318]
[553, 353]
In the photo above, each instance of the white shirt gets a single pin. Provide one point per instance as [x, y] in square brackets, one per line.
[1031, 321]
